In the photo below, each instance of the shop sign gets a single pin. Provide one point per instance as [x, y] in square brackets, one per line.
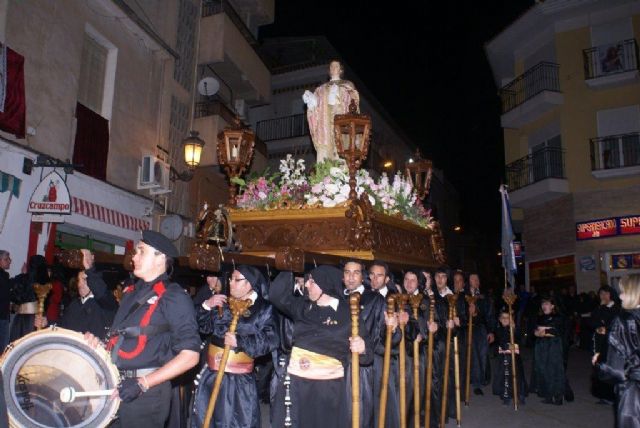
[607, 227]
[51, 197]
[596, 229]
[629, 225]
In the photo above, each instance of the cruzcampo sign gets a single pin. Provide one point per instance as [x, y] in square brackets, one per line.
[607, 227]
[51, 196]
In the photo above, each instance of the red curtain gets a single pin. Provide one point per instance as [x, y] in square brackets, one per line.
[92, 143]
[13, 118]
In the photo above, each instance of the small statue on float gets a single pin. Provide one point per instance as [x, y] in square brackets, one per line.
[329, 99]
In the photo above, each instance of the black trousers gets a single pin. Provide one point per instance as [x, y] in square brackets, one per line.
[150, 410]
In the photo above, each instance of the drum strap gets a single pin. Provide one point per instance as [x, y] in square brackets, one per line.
[142, 331]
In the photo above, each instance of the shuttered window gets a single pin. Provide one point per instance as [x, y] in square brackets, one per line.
[92, 74]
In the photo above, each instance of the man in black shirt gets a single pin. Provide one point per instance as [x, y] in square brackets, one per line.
[5, 297]
[94, 307]
[154, 336]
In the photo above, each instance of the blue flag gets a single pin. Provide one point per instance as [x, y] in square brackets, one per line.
[508, 253]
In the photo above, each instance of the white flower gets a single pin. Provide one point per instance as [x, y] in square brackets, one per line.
[331, 189]
[340, 198]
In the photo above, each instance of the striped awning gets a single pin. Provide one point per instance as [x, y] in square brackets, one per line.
[107, 215]
[10, 183]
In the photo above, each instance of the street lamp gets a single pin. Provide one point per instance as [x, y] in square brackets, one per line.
[352, 131]
[419, 172]
[192, 149]
[235, 151]
[192, 146]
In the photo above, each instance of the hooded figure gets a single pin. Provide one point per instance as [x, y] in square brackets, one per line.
[24, 296]
[256, 335]
[321, 351]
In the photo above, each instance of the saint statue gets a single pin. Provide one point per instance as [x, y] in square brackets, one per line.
[329, 99]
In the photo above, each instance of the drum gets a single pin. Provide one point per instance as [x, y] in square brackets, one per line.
[37, 367]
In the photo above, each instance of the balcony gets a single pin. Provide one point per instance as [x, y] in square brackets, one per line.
[615, 155]
[283, 128]
[530, 95]
[611, 65]
[229, 48]
[537, 178]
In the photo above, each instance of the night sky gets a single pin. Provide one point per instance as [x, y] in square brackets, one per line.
[425, 62]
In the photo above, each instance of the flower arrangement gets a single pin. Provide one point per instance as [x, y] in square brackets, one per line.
[328, 186]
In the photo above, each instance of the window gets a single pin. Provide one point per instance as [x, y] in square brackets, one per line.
[97, 73]
[618, 142]
[92, 74]
[185, 44]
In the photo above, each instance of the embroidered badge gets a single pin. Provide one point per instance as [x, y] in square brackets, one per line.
[152, 300]
[330, 321]
[218, 358]
[304, 363]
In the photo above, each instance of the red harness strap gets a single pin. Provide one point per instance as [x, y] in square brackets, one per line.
[159, 288]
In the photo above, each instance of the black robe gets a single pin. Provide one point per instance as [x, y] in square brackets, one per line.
[502, 372]
[325, 331]
[237, 405]
[602, 316]
[483, 324]
[392, 412]
[372, 308]
[548, 377]
[22, 292]
[622, 367]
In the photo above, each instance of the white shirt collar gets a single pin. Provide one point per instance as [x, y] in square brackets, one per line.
[333, 302]
[447, 291]
[384, 291]
[85, 298]
[360, 290]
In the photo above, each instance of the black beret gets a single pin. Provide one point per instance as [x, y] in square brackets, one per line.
[160, 242]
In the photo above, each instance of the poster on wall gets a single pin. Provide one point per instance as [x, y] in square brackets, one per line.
[622, 261]
[587, 263]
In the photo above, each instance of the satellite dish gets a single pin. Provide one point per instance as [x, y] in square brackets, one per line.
[208, 86]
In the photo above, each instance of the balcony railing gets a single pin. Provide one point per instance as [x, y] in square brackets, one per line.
[214, 7]
[283, 127]
[615, 151]
[539, 78]
[610, 59]
[538, 166]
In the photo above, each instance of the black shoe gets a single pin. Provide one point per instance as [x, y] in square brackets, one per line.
[478, 391]
[557, 401]
[547, 401]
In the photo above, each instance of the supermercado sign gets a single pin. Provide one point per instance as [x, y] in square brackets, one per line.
[51, 196]
[606, 227]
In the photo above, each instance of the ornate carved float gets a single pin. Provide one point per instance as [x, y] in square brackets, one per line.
[355, 231]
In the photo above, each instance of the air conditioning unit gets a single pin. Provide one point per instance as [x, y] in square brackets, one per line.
[154, 174]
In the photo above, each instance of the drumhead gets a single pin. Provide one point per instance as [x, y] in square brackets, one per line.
[36, 367]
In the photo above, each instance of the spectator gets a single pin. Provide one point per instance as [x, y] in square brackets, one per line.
[622, 366]
[5, 298]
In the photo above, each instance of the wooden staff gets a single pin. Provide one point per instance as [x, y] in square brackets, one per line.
[456, 369]
[401, 301]
[41, 291]
[471, 300]
[415, 301]
[237, 307]
[510, 298]
[385, 365]
[451, 298]
[427, 399]
[354, 304]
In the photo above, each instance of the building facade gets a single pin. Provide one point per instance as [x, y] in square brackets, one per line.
[570, 91]
[107, 83]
